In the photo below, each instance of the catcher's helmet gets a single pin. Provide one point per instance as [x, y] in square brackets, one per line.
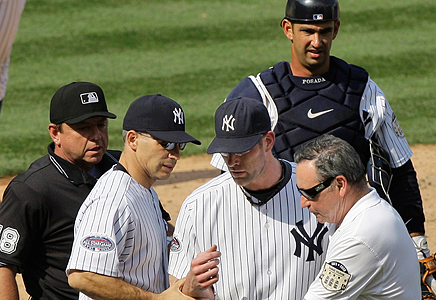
[312, 10]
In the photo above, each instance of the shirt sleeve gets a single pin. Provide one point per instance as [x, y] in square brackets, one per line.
[343, 275]
[183, 249]
[100, 237]
[380, 121]
[21, 213]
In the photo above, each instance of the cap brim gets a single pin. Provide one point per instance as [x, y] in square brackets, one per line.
[233, 145]
[90, 115]
[174, 136]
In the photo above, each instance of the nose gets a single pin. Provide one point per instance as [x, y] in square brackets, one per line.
[316, 42]
[304, 202]
[175, 153]
[232, 160]
[95, 133]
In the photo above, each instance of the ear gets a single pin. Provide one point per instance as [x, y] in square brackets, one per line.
[54, 132]
[342, 185]
[132, 140]
[287, 29]
[336, 28]
[270, 138]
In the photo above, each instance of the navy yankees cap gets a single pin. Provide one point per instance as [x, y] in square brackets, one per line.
[78, 101]
[239, 125]
[159, 116]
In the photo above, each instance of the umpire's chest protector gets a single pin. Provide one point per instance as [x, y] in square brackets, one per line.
[312, 106]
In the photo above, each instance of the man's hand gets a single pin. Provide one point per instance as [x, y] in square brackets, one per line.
[174, 292]
[203, 274]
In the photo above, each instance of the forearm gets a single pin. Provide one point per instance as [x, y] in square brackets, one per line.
[101, 287]
[406, 198]
[9, 288]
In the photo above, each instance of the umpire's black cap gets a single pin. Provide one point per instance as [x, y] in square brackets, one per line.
[78, 101]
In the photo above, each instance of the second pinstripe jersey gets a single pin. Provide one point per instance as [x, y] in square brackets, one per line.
[271, 251]
[119, 232]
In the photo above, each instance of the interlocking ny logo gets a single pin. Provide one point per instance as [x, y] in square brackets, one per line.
[228, 123]
[307, 240]
[178, 115]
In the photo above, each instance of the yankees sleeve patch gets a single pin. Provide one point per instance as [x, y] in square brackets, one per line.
[175, 245]
[334, 276]
[98, 243]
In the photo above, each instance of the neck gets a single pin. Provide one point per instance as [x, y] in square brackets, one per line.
[300, 70]
[132, 166]
[83, 165]
[351, 199]
[269, 176]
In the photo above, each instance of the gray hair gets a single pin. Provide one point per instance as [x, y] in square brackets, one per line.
[333, 157]
[124, 135]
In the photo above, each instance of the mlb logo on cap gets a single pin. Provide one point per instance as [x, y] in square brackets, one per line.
[318, 17]
[67, 104]
[89, 98]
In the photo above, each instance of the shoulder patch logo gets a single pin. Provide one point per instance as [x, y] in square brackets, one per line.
[97, 243]
[396, 128]
[334, 276]
[175, 245]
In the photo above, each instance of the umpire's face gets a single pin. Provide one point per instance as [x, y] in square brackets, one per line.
[83, 144]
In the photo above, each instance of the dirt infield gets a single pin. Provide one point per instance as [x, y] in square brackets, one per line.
[191, 172]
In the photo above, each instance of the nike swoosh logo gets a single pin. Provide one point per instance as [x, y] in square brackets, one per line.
[315, 115]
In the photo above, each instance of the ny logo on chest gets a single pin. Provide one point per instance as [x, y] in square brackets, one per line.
[302, 237]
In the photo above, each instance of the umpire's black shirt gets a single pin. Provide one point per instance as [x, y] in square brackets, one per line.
[37, 218]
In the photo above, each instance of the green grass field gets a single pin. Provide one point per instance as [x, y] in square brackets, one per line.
[196, 51]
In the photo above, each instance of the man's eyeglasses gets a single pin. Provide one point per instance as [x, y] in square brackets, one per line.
[312, 192]
[225, 154]
[167, 145]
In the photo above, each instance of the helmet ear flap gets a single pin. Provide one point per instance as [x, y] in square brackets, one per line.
[310, 11]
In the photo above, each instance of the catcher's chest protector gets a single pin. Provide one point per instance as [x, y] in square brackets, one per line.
[310, 107]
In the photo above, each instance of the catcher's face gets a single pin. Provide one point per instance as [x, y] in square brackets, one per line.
[311, 44]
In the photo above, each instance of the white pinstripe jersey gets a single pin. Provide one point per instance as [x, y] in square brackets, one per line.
[273, 251]
[119, 232]
[10, 14]
[383, 124]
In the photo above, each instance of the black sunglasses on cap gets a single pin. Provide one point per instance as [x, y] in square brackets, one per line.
[313, 191]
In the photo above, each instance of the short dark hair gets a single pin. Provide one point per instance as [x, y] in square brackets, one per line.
[333, 157]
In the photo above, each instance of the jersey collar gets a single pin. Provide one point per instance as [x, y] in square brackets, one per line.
[73, 173]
